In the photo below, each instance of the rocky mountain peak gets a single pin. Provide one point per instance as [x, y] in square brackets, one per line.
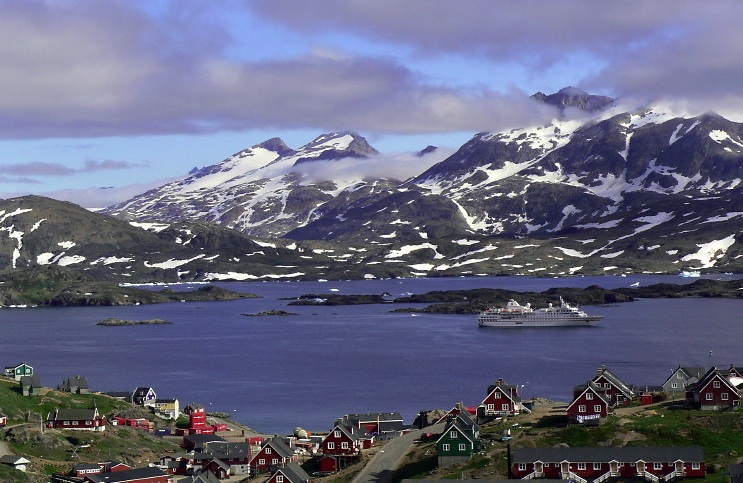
[336, 145]
[574, 97]
[276, 145]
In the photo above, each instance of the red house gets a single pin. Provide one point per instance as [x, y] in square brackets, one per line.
[666, 463]
[77, 419]
[346, 441]
[3, 420]
[618, 392]
[714, 391]
[502, 399]
[590, 406]
[273, 453]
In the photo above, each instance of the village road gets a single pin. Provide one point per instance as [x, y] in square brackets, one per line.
[4, 450]
[381, 467]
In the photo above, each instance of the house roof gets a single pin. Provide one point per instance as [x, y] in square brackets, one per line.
[202, 438]
[280, 447]
[33, 381]
[713, 373]
[19, 365]
[615, 381]
[691, 374]
[227, 450]
[294, 473]
[77, 381]
[127, 475]
[510, 390]
[372, 417]
[606, 454]
[591, 387]
[77, 414]
[204, 477]
[11, 459]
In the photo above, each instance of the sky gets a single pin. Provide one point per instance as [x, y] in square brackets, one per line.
[103, 99]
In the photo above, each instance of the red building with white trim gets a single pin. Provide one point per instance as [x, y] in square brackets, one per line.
[666, 463]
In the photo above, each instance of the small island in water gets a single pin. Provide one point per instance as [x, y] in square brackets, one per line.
[114, 322]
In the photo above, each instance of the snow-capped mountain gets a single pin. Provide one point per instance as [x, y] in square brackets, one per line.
[644, 190]
[266, 190]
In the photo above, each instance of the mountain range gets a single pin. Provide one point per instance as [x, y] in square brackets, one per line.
[596, 191]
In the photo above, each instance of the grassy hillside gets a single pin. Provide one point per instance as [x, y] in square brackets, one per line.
[51, 451]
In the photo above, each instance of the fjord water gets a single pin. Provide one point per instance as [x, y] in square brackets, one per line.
[274, 373]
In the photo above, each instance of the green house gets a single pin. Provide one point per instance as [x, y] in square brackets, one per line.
[459, 441]
[16, 372]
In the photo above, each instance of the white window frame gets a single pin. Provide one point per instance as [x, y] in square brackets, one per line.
[696, 466]
[597, 408]
[462, 447]
[724, 396]
[589, 396]
[657, 466]
[522, 466]
[336, 434]
[597, 466]
[445, 447]
[344, 445]
[453, 434]
[582, 408]
[709, 396]
[331, 445]
[581, 466]
[279, 478]
[505, 407]
[716, 384]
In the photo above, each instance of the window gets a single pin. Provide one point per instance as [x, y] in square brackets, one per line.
[581, 466]
[496, 395]
[75, 423]
[331, 445]
[66, 423]
[589, 396]
[462, 447]
[279, 478]
[657, 466]
[708, 397]
[275, 461]
[597, 408]
[262, 461]
[607, 385]
[505, 407]
[695, 466]
[716, 384]
[453, 434]
[445, 447]
[679, 375]
[490, 407]
[268, 450]
[724, 396]
[344, 445]
[522, 466]
[674, 385]
[336, 434]
[597, 466]
[582, 408]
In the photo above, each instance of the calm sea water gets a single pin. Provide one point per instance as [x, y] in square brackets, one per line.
[275, 373]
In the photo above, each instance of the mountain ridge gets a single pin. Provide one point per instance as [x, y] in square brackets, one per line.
[619, 192]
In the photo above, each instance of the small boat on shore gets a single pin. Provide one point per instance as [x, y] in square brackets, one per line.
[516, 315]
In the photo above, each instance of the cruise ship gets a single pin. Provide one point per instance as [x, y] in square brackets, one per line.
[516, 315]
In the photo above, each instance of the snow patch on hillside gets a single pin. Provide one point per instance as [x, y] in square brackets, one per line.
[709, 252]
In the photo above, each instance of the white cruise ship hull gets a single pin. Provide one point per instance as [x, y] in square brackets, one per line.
[485, 321]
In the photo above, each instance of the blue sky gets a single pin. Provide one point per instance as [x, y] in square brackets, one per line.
[125, 94]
